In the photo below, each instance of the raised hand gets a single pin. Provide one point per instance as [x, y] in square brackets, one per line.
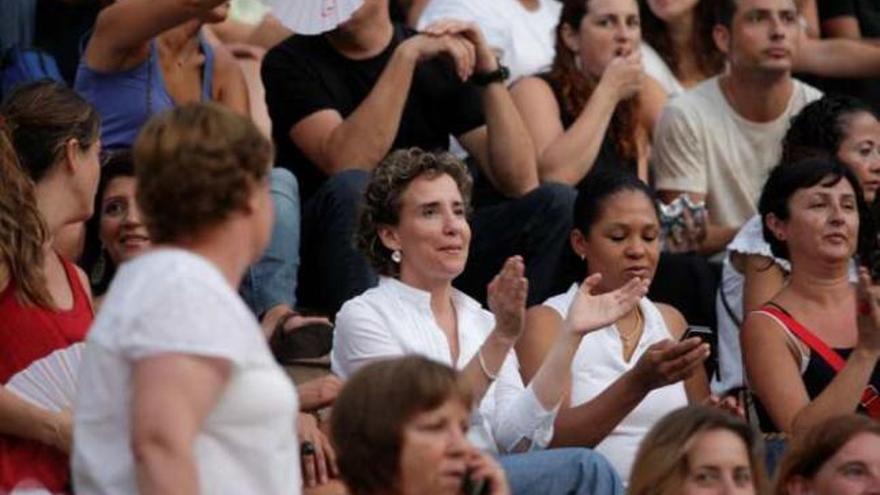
[481, 466]
[868, 301]
[507, 294]
[485, 60]
[589, 312]
[460, 51]
[624, 76]
[668, 362]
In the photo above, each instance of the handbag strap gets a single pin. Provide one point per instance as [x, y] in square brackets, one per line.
[870, 399]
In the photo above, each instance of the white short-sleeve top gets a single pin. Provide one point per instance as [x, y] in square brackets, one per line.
[174, 301]
[395, 319]
[599, 362]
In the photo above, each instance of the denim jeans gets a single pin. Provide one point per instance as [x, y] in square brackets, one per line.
[561, 472]
[272, 280]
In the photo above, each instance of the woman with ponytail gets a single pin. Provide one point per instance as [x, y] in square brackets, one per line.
[49, 145]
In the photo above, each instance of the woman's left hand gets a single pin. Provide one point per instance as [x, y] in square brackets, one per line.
[589, 312]
[316, 454]
[481, 466]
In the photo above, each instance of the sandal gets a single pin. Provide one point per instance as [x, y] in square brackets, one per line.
[312, 340]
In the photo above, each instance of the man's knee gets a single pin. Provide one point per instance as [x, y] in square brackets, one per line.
[553, 199]
[348, 185]
[283, 182]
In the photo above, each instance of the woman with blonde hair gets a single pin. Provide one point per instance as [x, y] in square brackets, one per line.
[698, 450]
[49, 145]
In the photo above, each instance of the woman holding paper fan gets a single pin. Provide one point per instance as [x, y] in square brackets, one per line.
[48, 175]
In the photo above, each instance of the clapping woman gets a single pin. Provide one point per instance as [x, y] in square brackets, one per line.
[414, 230]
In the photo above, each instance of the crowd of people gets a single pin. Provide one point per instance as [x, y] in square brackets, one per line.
[530, 247]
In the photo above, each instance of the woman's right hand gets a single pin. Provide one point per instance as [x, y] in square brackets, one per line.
[868, 313]
[624, 76]
[319, 461]
[589, 312]
[481, 466]
[507, 294]
[668, 362]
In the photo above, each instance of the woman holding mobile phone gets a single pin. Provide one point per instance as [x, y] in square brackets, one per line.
[400, 428]
[629, 374]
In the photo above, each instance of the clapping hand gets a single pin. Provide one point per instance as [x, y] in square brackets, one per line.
[589, 312]
[868, 313]
[507, 294]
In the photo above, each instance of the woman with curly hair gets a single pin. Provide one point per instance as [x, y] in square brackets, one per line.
[49, 145]
[414, 231]
[594, 109]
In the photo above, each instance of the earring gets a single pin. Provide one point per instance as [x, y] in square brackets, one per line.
[99, 269]
[396, 256]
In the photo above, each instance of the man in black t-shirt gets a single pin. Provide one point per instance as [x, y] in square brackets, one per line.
[856, 20]
[341, 101]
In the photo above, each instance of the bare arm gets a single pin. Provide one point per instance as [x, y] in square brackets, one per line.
[362, 139]
[696, 386]
[172, 395]
[21, 419]
[763, 280]
[771, 366]
[568, 155]
[230, 89]
[122, 31]
[838, 57]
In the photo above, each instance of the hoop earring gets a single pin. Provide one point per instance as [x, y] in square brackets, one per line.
[396, 256]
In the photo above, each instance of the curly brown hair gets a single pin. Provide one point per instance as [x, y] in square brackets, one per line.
[372, 410]
[37, 120]
[196, 165]
[382, 199]
[576, 88]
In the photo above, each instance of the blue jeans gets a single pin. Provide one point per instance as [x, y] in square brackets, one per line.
[561, 472]
[272, 280]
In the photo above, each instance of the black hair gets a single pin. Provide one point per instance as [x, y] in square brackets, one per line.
[785, 180]
[597, 188]
[724, 12]
[116, 163]
[820, 127]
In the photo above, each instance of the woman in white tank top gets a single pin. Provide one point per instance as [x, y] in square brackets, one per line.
[628, 375]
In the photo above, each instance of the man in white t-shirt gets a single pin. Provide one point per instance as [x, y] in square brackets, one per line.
[718, 141]
[521, 31]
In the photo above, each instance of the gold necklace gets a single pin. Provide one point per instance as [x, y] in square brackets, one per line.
[633, 334]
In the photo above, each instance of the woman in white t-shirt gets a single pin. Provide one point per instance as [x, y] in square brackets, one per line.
[178, 391]
[627, 375]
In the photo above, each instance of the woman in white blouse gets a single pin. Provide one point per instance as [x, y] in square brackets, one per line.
[178, 391]
[414, 230]
[629, 374]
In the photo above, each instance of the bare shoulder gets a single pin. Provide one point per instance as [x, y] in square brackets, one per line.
[675, 321]
[532, 87]
[83, 279]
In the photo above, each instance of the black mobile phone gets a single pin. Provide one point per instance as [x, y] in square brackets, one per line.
[704, 333]
[473, 486]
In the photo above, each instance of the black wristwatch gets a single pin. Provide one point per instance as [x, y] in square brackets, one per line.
[486, 78]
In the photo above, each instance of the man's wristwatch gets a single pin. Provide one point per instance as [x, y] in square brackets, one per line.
[486, 78]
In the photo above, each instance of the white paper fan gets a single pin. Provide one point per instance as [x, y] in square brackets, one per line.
[49, 382]
[313, 16]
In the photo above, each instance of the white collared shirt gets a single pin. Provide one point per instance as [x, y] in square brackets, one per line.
[395, 319]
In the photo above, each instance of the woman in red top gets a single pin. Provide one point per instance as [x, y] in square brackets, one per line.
[49, 145]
